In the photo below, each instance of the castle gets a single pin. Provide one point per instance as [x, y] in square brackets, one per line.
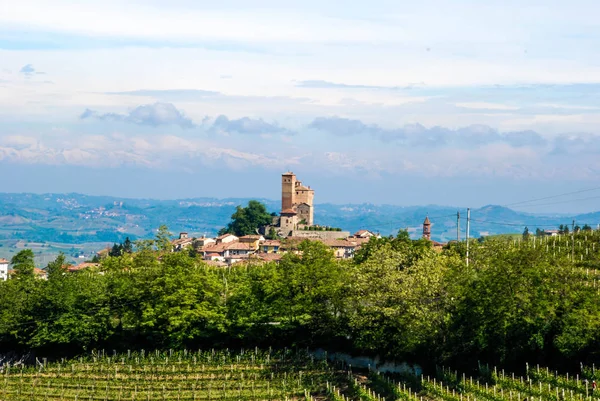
[296, 203]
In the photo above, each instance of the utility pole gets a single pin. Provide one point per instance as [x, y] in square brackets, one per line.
[468, 228]
[573, 238]
[458, 226]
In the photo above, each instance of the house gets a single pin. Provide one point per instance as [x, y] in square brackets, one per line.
[201, 243]
[41, 274]
[38, 273]
[103, 253]
[3, 269]
[253, 240]
[342, 248]
[81, 266]
[270, 246]
[551, 233]
[184, 241]
[240, 248]
[226, 238]
[215, 252]
[363, 234]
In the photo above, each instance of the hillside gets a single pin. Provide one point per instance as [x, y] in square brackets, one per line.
[80, 219]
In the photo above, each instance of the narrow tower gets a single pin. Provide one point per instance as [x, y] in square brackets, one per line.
[288, 185]
[427, 228]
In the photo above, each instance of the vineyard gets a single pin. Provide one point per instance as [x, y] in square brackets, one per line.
[272, 375]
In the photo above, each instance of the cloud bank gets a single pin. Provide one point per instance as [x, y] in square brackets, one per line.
[150, 114]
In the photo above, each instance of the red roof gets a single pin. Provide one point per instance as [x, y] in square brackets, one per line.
[3, 261]
[82, 266]
[288, 211]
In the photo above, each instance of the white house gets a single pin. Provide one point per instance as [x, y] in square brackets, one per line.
[226, 239]
[3, 269]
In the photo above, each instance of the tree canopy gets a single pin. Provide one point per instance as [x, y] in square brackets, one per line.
[517, 301]
[246, 220]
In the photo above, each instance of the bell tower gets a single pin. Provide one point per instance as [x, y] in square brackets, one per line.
[427, 228]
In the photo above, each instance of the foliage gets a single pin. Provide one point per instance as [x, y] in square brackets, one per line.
[517, 300]
[23, 264]
[246, 220]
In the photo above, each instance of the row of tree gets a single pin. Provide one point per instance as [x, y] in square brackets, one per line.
[397, 298]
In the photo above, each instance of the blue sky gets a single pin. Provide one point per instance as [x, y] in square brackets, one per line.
[459, 103]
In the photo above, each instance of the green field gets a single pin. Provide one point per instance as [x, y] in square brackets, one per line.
[271, 375]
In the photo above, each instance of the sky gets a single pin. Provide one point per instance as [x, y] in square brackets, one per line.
[461, 103]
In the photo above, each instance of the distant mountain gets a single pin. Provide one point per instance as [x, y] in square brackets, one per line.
[76, 219]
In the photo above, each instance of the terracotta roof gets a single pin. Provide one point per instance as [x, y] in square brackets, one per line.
[181, 241]
[288, 211]
[426, 220]
[225, 236]
[39, 272]
[215, 248]
[3, 261]
[213, 254]
[252, 237]
[82, 266]
[271, 242]
[239, 246]
[339, 243]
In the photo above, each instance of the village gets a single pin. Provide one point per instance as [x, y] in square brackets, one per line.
[293, 225]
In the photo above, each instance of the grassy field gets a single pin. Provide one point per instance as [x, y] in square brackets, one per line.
[271, 375]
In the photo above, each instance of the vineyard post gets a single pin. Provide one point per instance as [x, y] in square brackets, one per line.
[467, 234]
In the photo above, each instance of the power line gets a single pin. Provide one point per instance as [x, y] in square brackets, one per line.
[552, 197]
[567, 201]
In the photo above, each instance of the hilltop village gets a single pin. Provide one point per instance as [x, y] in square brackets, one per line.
[294, 224]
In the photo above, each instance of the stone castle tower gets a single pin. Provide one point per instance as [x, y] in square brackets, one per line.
[427, 228]
[296, 203]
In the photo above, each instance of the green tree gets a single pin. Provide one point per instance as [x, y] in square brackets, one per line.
[127, 246]
[55, 268]
[526, 234]
[116, 250]
[23, 264]
[163, 239]
[272, 233]
[246, 220]
[587, 228]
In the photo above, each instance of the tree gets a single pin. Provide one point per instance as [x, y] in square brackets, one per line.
[538, 232]
[577, 229]
[127, 246]
[116, 251]
[272, 233]
[55, 268]
[23, 264]
[526, 234]
[163, 239]
[587, 228]
[246, 220]
[566, 229]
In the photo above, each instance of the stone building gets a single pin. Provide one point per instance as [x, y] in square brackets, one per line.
[427, 228]
[296, 204]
